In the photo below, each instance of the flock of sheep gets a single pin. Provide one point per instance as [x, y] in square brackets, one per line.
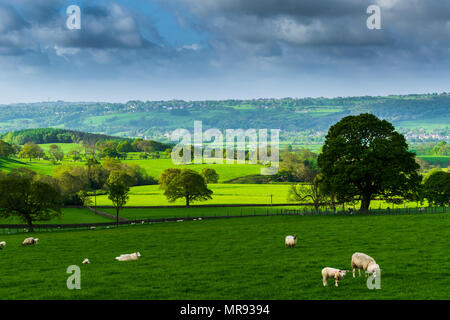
[359, 261]
[34, 241]
[26, 242]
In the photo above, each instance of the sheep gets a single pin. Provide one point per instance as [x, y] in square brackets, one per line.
[337, 274]
[290, 241]
[365, 262]
[179, 220]
[86, 261]
[93, 228]
[2, 245]
[129, 257]
[30, 241]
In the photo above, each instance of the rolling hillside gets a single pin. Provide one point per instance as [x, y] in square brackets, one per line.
[302, 121]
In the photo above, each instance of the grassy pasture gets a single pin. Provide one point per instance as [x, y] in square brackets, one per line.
[226, 172]
[226, 194]
[223, 194]
[69, 216]
[241, 258]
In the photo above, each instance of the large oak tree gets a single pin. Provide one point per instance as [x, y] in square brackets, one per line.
[25, 196]
[365, 157]
[185, 184]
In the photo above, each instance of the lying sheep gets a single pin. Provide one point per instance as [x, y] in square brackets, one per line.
[129, 257]
[86, 261]
[328, 273]
[290, 241]
[365, 262]
[30, 241]
[2, 245]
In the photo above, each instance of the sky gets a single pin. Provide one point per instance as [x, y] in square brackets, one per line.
[221, 49]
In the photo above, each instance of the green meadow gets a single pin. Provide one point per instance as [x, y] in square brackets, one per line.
[241, 258]
[227, 194]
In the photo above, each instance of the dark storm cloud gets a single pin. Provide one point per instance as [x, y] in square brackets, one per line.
[38, 27]
[406, 24]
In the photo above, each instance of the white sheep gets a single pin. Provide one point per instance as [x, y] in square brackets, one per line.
[93, 228]
[365, 262]
[290, 241]
[129, 257]
[179, 220]
[86, 261]
[30, 241]
[337, 274]
[2, 245]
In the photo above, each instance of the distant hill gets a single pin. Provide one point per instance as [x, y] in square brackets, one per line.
[422, 117]
[51, 135]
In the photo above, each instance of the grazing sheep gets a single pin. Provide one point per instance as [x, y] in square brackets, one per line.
[129, 257]
[2, 245]
[86, 261]
[365, 262]
[30, 241]
[290, 241]
[200, 219]
[422, 209]
[328, 273]
[93, 228]
[179, 220]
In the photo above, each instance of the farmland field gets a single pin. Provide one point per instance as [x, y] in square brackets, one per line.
[223, 194]
[242, 258]
[69, 216]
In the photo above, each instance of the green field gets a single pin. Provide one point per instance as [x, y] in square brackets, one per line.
[154, 167]
[223, 194]
[242, 258]
[226, 171]
[226, 194]
[69, 216]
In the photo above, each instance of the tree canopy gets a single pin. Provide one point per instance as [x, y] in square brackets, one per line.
[364, 156]
[186, 184]
[28, 198]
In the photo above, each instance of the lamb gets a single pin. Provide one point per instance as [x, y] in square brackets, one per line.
[337, 274]
[290, 241]
[86, 261]
[30, 241]
[2, 245]
[365, 262]
[129, 257]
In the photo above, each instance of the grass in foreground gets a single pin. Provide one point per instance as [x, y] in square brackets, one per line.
[241, 258]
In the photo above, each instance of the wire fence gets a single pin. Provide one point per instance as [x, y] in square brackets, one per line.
[22, 228]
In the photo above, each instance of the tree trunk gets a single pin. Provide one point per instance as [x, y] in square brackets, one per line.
[365, 203]
[187, 201]
[117, 216]
[95, 198]
[30, 225]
